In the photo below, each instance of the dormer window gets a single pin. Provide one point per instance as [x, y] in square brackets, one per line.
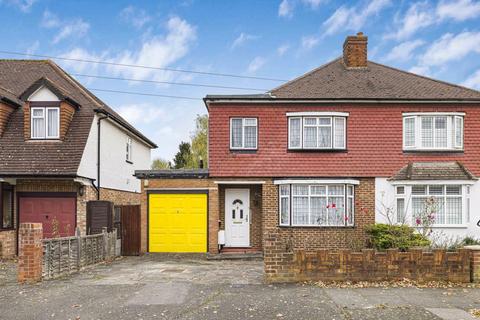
[45, 122]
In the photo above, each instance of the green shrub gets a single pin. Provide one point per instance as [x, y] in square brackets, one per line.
[469, 241]
[385, 236]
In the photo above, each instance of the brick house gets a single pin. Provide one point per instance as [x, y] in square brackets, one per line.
[309, 164]
[60, 147]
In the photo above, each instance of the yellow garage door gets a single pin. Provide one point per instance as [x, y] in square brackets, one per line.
[177, 223]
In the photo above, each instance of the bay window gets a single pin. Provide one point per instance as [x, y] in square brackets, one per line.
[243, 133]
[448, 204]
[45, 122]
[433, 131]
[317, 130]
[321, 205]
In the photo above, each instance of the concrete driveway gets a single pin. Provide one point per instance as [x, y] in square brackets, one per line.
[175, 287]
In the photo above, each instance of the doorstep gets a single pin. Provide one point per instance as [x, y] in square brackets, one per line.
[236, 253]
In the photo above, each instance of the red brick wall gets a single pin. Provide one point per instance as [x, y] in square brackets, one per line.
[374, 142]
[30, 252]
[8, 243]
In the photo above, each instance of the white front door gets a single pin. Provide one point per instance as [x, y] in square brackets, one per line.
[237, 217]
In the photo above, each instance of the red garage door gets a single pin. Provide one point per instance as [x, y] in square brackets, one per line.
[57, 214]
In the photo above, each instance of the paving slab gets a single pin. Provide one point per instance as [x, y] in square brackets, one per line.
[451, 314]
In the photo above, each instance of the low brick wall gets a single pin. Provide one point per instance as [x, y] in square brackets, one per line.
[370, 265]
[8, 243]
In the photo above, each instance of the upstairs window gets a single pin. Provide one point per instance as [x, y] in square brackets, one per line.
[128, 154]
[316, 132]
[432, 131]
[45, 122]
[243, 133]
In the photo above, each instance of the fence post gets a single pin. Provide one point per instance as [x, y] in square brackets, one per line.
[474, 263]
[79, 248]
[105, 242]
[30, 252]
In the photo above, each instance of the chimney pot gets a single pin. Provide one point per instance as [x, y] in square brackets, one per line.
[355, 51]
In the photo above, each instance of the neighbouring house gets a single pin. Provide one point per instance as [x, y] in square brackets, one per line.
[309, 164]
[60, 147]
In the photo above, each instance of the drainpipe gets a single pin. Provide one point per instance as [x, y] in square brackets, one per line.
[98, 154]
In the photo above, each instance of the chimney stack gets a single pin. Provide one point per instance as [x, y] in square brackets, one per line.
[355, 51]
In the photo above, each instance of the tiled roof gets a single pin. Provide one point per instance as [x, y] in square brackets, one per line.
[20, 157]
[434, 171]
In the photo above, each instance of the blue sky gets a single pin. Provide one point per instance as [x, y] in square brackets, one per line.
[276, 39]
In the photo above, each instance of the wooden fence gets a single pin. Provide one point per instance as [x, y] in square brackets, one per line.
[63, 256]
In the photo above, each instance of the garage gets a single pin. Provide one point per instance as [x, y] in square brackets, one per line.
[177, 222]
[56, 211]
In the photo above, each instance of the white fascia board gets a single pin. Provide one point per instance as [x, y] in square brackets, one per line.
[317, 181]
[239, 182]
[317, 114]
[422, 182]
[411, 114]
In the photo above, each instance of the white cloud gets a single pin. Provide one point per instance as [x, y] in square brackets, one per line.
[68, 28]
[142, 113]
[242, 39]
[451, 47]
[314, 4]
[135, 16]
[160, 50]
[421, 70]
[77, 28]
[308, 42]
[419, 15]
[459, 10]
[403, 51]
[285, 9]
[23, 5]
[283, 49]
[473, 81]
[256, 64]
[353, 18]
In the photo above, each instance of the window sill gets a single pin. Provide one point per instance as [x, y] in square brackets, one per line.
[44, 140]
[319, 150]
[128, 161]
[449, 226]
[317, 227]
[433, 151]
[247, 151]
[7, 229]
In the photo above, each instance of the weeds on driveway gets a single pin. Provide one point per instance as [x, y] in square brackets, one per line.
[404, 283]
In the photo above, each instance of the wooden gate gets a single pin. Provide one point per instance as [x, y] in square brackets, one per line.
[99, 216]
[130, 230]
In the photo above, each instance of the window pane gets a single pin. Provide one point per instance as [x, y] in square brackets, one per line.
[324, 121]
[419, 190]
[336, 190]
[318, 207]
[339, 135]
[318, 190]
[458, 132]
[285, 190]
[440, 132]
[400, 190]
[350, 208]
[52, 117]
[453, 213]
[37, 112]
[336, 211]
[310, 137]
[237, 132]
[409, 132]
[250, 137]
[350, 190]
[295, 133]
[454, 189]
[38, 130]
[284, 210]
[250, 122]
[427, 132]
[300, 210]
[325, 137]
[299, 189]
[7, 209]
[435, 190]
[400, 210]
[310, 121]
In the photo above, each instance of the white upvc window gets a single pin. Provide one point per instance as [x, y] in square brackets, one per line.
[243, 133]
[45, 122]
[308, 205]
[128, 154]
[316, 132]
[449, 204]
[433, 131]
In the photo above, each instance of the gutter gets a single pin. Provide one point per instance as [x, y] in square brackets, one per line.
[98, 155]
[227, 100]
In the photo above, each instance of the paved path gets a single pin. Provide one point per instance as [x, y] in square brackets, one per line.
[166, 287]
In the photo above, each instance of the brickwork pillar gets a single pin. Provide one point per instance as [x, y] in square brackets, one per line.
[30, 252]
[474, 263]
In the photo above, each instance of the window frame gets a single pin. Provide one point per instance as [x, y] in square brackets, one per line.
[332, 126]
[309, 195]
[242, 147]
[45, 116]
[408, 197]
[418, 134]
[6, 187]
[128, 151]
